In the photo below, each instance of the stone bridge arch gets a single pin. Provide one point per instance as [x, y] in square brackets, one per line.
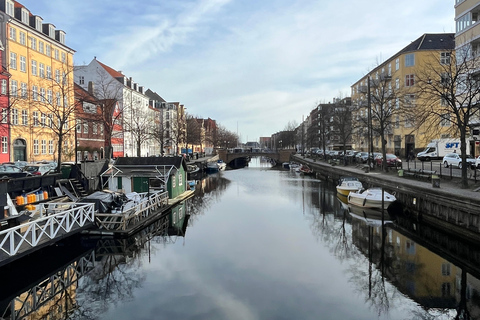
[279, 156]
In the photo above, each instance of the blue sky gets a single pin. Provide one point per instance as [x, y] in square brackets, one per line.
[252, 65]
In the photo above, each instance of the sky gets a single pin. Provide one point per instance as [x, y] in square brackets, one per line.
[254, 66]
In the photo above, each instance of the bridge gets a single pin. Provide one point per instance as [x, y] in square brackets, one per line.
[279, 156]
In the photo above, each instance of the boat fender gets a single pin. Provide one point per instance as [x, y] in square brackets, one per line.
[364, 201]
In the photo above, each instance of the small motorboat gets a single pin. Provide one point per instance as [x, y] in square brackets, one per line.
[371, 198]
[221, 165]
[304, 169]
[349, 184]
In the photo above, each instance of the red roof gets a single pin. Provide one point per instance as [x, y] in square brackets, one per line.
[114, 73]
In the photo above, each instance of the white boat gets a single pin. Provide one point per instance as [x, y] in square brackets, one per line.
[349, 184]
[212, 167]
[371, 198]
[221, 165]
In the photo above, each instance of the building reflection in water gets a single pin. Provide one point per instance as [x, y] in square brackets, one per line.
[436, 275]
[94, 273]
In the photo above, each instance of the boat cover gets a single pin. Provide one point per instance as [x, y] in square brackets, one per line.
[105, 201]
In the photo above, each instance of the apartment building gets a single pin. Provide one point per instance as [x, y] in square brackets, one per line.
[394, 80]
[40, 110]
[467, 41]
[4, 124]
[138, 118]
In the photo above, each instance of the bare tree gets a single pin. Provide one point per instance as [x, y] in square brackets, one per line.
[55, 109]
[139, 123]
[194, 131]
[450, 88]
[380, 105]
[225, 138]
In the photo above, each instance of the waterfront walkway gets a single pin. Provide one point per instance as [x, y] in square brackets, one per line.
[448, 187]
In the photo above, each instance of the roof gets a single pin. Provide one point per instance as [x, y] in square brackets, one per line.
[431, 41]
[123, 162]
[114, 73]
[154, 96]
[83, 95]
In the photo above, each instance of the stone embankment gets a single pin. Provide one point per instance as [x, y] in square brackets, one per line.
[445, 205]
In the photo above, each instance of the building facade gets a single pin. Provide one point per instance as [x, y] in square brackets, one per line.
[41, 92]
[137, 116]
[391, 87]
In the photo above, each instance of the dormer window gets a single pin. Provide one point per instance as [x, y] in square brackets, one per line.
[25, 16]
[10, 8]
[51, 31]
[60, 36]
[38, 23]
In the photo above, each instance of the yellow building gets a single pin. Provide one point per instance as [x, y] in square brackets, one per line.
[393, 81]
[41, 86]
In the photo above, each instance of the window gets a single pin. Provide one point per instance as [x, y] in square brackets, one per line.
[101, 129]
[10, 10]
[33, 43]
[85, 126]
[445, 79]
[64, 57]
[180, 179]
[47, 50]
[409, 80]
[13, 60]
[65, 146]
[397, 122]
[14, 88]
[23, 90]
[49, 96]
[446, 289]
[34, 67]
[23, 64]
[50, 146]
[95, 128]
[50, 120]
[397, 83]
[44, 146]
[4, 115]
[13, 34]
[79, 125]
[35, 146]
[446, 269]
[4, 145]
[409, 60]
[49, 72]
[25, 117]
[43, 117]
[397, 64]
[42, 70]
[445, 120]
[410, 100]
[35, 118]
[57, 75]
[42, 94]
[58, 99]
[56, 54]
[41, 46]
[464, 22]
[23, 38]
[15, 116]
[34, 93]
[445, 58]
[4, 86]
[81, 80]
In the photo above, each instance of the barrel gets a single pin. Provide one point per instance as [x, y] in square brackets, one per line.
[19, 200]
[45, 195]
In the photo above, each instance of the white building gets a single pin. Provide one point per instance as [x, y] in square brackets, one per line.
[138, 118]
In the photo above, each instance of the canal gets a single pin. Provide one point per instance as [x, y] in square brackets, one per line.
[254, 243]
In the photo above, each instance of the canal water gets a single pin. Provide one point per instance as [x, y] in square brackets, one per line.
[254, 243]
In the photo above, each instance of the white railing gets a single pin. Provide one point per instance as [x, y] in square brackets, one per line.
[124, 220]
[55, 219]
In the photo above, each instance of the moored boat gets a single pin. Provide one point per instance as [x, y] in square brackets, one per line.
[305, 169]
[371, 198]
[349, 184]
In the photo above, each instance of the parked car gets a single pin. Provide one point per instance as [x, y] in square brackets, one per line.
[38, 169]
[361, 157]
[12, 171]
[392, 160]
[18, 163]
[454, 159]
[477, 162]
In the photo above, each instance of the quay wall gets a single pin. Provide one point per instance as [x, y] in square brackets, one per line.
[454, 212]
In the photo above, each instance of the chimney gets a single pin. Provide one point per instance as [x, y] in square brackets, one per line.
[91, 87]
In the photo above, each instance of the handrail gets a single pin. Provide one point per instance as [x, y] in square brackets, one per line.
[47, 227]
[146, 207]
